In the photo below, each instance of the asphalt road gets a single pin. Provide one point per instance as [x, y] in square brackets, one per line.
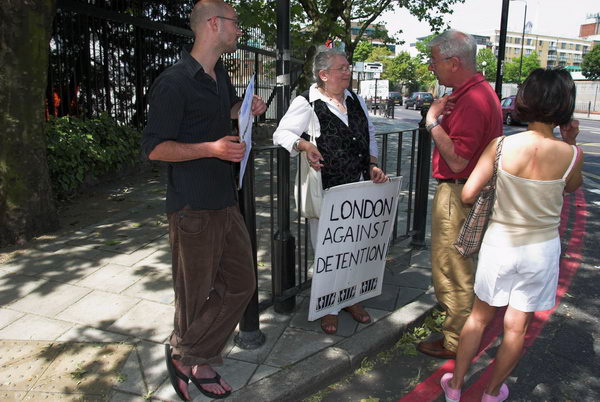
[561, 361]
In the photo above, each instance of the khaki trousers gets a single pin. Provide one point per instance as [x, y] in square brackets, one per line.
[213, 277]
[453, 275]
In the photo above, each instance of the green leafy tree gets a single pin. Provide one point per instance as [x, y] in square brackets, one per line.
[591, 64]
[314, 22]
[423, 48]
[26, 204]
[511, 69]
[487, 63]
[363, 51]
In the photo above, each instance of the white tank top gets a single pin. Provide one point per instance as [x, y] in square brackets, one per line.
[526, 211]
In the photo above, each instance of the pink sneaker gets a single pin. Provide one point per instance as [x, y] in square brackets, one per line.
[502, 395]
[452, 395]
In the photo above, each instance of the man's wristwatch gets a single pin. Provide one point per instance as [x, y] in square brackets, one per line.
[295, 146]
[430, 126]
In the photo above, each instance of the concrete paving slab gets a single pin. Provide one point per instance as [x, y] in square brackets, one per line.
[413, 277]
[118, 396]
[146, 320]
[299, 380]
[14, 286]
[375, 314]
[135, 257]
[12, 396]
[421, 258]
[57, 267]
[407, 295]
[22, 364]
[237, 373]
[59, 396]
[81, 333]
[8, 316]
[346, 324]
[49, 299]
[90, 369]
[130, 376]
[35, 328]
[166, 392]
[272, 326]
[114, 277]
[296, 344]
[152, 360]
[386, 300]
[160, 259]
[263, 371]
[98, 309]
[156, 285]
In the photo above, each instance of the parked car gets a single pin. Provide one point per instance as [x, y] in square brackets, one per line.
[396, 96]
[509, 114]
[418, 99]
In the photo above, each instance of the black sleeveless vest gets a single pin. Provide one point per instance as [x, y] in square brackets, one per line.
[345, 149]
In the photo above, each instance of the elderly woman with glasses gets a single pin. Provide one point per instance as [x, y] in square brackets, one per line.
[346, 150]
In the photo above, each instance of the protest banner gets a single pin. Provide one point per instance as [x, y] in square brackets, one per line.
[245, 126]
[355, 227]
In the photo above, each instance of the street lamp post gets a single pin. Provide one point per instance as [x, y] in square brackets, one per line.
[522, 38]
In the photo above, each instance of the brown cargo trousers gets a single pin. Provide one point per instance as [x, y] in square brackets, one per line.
[213, 278]
[453, 275]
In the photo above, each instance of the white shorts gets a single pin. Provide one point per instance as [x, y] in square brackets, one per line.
[523, 277]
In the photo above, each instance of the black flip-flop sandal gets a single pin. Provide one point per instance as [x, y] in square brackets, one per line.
[198, 382]
[174, 374]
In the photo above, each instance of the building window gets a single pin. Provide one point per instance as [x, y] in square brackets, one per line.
[541, 43]
[527, 52]
[518, 41]
[563, 45]
[578, 47]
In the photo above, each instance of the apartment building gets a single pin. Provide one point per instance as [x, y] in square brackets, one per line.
[370, 35]
[552, 50]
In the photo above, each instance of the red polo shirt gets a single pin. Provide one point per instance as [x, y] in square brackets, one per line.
[475, 120]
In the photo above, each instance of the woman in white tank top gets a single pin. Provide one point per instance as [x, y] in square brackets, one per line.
[519, 257]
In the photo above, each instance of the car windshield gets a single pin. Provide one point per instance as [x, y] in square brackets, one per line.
[427, 97]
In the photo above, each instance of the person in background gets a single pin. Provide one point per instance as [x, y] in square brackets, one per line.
[460, 137]
[346, 150]
[519, 258]
[189, 127]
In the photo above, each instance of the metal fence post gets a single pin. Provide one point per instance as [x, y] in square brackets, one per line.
[422, 185]
[283, 258]
[250, 336]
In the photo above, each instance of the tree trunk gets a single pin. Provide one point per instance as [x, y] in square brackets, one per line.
[26, 204]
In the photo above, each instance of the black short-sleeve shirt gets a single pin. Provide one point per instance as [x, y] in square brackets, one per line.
[188, 106]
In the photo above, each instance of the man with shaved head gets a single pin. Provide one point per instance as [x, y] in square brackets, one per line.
[189, 127]
[471, 119]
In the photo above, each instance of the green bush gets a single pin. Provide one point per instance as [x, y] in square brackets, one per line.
[83, 150]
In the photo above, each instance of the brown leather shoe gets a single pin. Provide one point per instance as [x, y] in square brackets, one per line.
[436, 349]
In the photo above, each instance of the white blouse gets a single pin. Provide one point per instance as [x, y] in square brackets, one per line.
[298, 117]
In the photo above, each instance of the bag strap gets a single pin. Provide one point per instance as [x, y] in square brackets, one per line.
[498, 153]
[311, 138]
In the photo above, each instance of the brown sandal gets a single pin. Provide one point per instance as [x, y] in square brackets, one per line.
[359, 313]
[329, 324]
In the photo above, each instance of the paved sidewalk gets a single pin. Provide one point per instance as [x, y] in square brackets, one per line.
[86, 316]
[585, 116]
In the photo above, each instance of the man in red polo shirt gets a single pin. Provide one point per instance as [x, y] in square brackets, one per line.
[471, 119]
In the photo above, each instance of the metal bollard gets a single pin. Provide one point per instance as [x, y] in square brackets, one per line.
[422, 185]
[250, 336]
